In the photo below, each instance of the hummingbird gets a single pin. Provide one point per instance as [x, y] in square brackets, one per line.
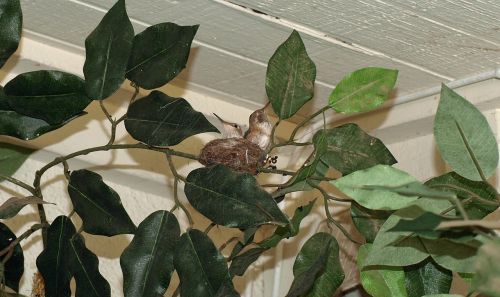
[259, 129]
[231, 130]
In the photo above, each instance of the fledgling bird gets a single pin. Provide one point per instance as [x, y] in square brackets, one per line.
[230, 129]
[259, 129]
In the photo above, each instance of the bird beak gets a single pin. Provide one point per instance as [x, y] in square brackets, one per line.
[219, 118]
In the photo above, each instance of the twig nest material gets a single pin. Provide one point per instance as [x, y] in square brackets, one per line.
[238, 154]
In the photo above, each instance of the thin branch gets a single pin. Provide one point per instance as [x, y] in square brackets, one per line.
[105, 111]
[275, 171]
[326, 195]
[306, 120]
[472, 194]
[178, 177]
[209, 227]
[229, 241]
[337, 224]
[18, 183]
[23, 236]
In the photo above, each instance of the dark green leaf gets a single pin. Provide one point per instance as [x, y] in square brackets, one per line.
[159, 119]
[13, 205]
[487, 271]
[248, 236]
[159, 53]
[363, 90]
[231, 199]
[14, 267]
[464, 138]
[85, 267]
[11, 20]
[107, 51]
[12, 157]
[317, 271]
[98, 205]
[240, 263]
[8, 294]
[201, 267]
[350, 149]
[147, 263]
[467, 190]
[354, 185]
[381, 281]
[23, 127]
[368, 221]
[227, 290]
[290, 77]
[54, 263]
[52, 96]
[453, 255]
[427, 278]
[289, 230]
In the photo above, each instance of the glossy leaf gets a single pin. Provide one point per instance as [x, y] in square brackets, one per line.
[289, 230]
[85, 267]
[159, 53]
[290, 77]
[13, 205]
[12, 157]
[52, 96]
[231, 199]
[467, 189]
[402, 248]
[368, 221]
[304, 181]
[54, 263]
[159, 119]
[11, 20]
[14, 267]
[248, 236]
[201, 267]
[317, 271]
[427, 278]
[363, 90]
[487, 271]
[147, 263]
[464, 138]
[350, 149]
[453, 255]
[381, 281]
[23, 127]
[98, 205]
[107, 51]
[355, 186]
[240, 263]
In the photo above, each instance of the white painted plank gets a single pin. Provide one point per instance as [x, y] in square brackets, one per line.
[390, 29]
[228, 30]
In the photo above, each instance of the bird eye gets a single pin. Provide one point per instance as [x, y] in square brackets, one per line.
[234, 125]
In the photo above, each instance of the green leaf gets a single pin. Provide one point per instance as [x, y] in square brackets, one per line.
[147, 263]
[201, 267]
[231, 199]
[159, 119]
[303, 182]
[452, 255]
[414, 189]
[354, 185]
[107, 51]
[403, 248]
[368, 221]
[350, 149]
[317, 271]
[290, 77]
[487, 272]
[13, 205]
[159, 53]
[54, 263]
[381, 281]
[98, 205]
[11, 20]
[14, 267]
[85, 267]
[427, 278]
[466, 190]
[290, 230]
[443, 295]
[464, 138]
[363, 90]
[52, 96]
[240, 263]
[12, 157]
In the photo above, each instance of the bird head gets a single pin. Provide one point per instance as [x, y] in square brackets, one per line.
[230, 129]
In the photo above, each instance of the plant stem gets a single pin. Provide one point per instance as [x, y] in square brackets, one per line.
[18, 183]
[275, 171]
[178, 177]
[23, 236]
[306, 120]
[326, 195]
[337, 224]
[209, 227]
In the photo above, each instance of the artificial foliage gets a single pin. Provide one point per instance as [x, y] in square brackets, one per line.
[418, 235]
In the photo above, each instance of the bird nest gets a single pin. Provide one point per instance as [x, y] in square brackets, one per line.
[238, 154]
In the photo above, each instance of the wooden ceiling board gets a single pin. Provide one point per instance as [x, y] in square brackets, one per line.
[389, 29]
